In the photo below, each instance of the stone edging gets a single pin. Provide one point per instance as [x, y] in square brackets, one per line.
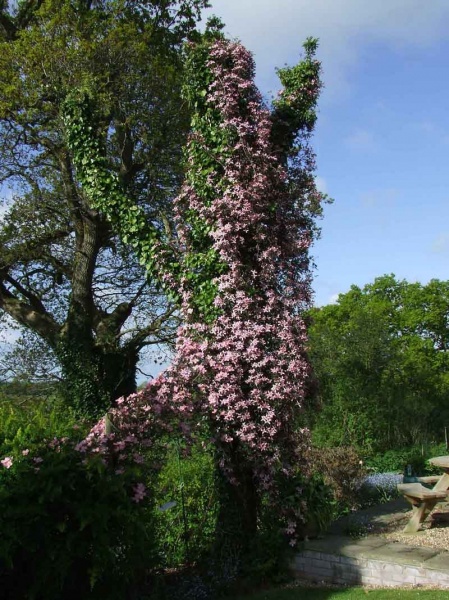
[347, 570]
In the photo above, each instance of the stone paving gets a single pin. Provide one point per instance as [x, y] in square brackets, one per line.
[372, 560]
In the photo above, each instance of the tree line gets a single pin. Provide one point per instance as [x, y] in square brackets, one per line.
[381, 363]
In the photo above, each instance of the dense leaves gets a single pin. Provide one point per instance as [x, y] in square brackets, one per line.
[71, 529]
[380, 356]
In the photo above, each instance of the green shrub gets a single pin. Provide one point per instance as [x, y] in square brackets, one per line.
[187, 486]
[71, 530]
[26, 425]
[190, 532]
[321, 505]
[397, 460]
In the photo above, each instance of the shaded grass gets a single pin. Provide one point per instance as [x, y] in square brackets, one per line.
[302, 593]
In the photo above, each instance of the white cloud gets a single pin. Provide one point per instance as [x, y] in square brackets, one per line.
[274, 31]
[361, 140]
[333, 299]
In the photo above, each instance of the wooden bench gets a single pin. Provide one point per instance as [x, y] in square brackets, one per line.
[426, 479]
[429, 478]
[422, 499]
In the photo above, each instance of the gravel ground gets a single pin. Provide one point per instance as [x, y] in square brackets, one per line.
[434, 531]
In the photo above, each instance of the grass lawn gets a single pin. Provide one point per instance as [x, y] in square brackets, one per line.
[301, 593]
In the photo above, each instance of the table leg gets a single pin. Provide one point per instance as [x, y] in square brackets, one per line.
[420, 512]
[442, 484]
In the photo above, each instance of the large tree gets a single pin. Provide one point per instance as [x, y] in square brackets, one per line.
[381, 359]
[64, 273]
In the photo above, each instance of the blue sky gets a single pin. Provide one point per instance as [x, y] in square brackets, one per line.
[382, 138]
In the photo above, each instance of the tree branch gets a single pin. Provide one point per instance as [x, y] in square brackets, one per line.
[29, 251]
[138, 341]
[27, 315]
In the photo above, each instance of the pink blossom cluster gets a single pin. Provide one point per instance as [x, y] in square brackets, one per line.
[251, 359]
[249, 366]
[134, 423]
[7, 462]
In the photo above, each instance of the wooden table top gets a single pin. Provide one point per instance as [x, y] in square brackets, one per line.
[440, 461]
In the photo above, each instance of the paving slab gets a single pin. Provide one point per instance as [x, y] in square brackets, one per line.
[440, 562]
[405, 554]
[371, 541]
[345, 546]
[383, 514]
[373, 556]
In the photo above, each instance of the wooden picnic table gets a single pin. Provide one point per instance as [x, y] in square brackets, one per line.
[423, 499]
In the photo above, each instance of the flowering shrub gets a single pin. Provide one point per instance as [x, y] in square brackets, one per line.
[70, 529]
[386, 482]
[241, 352]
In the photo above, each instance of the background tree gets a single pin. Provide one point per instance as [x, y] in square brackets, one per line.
[64, 274]
[380, 357]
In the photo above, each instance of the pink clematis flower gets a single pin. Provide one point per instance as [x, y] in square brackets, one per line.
[7, 462]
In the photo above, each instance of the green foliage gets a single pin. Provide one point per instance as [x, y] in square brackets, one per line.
[295, 111]
[86, 388]
[396, 460]
[65, 275]
[269, 555]
[380, 357]
[24, 424]
[70, 530]
[103, 187]
[321, 506]
[186, 531]
[81, 114]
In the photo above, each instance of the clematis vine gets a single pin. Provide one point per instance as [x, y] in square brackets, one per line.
[245, 222]
[248, 362]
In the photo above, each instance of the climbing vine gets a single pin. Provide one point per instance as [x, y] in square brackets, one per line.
[102, 185]
[245, 221]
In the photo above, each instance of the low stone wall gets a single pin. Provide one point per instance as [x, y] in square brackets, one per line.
[350, 570]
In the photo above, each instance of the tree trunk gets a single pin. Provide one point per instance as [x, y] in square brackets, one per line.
[119, 372]
[239, 505]
[95, 377]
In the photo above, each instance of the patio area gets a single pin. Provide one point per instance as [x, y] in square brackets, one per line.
[376, 558]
